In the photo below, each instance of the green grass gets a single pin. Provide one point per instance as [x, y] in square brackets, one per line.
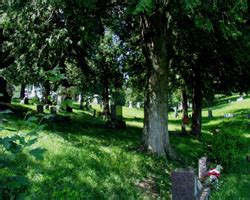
[85, 160]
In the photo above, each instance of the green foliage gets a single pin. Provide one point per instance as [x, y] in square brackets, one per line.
[144, 6]
[224, 149]
[66, 103]
[119, 97]
[203, 23]
[191, 5]
[12, 181]
[54, 75]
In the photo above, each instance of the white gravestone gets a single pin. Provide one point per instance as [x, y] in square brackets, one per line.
[130, 104]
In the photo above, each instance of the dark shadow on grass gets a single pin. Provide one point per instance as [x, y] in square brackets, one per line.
[78, 176]
[134, 119]
[86, 125]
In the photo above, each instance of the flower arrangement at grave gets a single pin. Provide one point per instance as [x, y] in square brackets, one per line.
[213, 176]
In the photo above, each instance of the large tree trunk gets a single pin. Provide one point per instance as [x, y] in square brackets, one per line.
[4, 96]
[185, 119]
[197, 104]
[155, 132]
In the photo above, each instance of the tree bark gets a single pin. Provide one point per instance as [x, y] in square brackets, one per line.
[210, 112]
[4, 96]
[185, 119]
[105, 98]
[46, 92]
[22, 92]
[155, 132]
[197, 104]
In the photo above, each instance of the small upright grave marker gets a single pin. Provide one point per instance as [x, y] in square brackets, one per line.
[240, 98]
[118, 111]
[130, 104]
[229, 115]
[53, 110]
[26, 100]
[202, 168]
[116, 117]
[39, 108]
[210, 113]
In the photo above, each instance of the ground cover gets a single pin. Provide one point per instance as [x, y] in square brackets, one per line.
[85, 160]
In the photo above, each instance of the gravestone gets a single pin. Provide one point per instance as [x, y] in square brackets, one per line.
[184, 185]
[87, 106]
[118, 111]
[240, 98]
[229, 115]
[59, 100]
[202, 168]
[130, 105]
[26, 100]
[81, 105]
[53, 110]
[180, 106]
[79, 98]
[176, 115]
[33, 92]
[46, 107]
[39, 108]
[210, 113]
[95, 100]
[116, 117]
[138, 105]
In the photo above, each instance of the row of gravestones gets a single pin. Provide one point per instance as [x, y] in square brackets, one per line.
[40, 109]
[186, 185]
[131, 105]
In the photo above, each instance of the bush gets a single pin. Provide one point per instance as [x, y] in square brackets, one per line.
[224, 149]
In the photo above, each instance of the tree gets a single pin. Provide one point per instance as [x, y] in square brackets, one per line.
[108, 67]
[154, 33]
[203, 39]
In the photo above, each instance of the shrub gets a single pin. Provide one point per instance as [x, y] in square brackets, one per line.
[224, 149]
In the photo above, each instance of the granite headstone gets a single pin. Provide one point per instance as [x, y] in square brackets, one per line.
[184, 185]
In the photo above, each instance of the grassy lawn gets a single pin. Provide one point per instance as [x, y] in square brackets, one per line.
[85, 160]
